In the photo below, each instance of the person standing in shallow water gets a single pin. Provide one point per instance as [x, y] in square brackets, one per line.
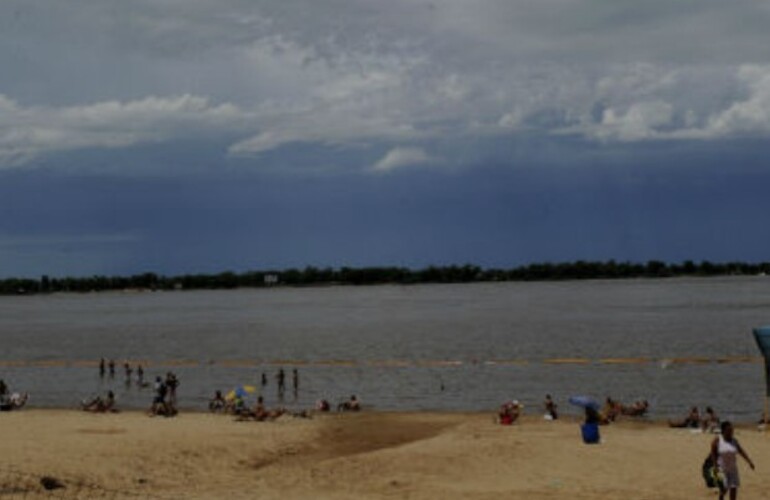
[112, 368]
[724, 452]
[295, 380]
[140, 375]
[281, 381]
[264, 379]
[129, 371]
[101, 368]
[171, 384]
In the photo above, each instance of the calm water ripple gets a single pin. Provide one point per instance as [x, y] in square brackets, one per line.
[445, 347]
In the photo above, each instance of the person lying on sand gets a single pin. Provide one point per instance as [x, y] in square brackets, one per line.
[638, 409]
[99, 405]
[350, 405]
[691, 421]
[260, 413]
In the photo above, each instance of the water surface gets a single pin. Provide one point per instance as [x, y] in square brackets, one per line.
[456, 347]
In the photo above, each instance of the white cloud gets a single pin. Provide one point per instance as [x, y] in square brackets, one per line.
[746, 116]
[402, 157]
[640, 121]
[27, 132]
[270, 74]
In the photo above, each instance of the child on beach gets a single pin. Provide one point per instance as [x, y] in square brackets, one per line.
[217, 403]
[550, 408]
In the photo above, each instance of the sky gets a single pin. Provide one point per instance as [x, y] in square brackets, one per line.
[187, 136]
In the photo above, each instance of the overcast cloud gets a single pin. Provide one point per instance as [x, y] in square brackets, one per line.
[116, 74]
[434, 97]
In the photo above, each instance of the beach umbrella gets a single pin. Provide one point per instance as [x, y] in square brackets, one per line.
[585, 402]
[241, 391]
[762, 336]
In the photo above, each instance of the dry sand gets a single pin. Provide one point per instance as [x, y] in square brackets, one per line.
[367, 455]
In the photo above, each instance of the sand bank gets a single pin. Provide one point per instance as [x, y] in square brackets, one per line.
[367, 455]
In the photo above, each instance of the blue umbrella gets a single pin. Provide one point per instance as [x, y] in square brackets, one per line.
[585, 402]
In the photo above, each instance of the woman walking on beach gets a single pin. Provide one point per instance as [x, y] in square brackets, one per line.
[724, 451]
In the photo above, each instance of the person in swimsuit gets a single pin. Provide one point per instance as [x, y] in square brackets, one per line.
[724, 452]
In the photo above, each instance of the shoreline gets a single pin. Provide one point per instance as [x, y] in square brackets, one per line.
[371, 454]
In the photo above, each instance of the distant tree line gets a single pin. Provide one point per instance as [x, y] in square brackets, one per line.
[309, 276]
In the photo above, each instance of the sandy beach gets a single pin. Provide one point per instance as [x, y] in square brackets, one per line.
[366, 455]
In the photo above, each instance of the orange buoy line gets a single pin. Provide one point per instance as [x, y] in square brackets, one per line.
[386, 363]
[506, 362]
[624, 361]
[567, 361]
[694, 360]
[740, 359]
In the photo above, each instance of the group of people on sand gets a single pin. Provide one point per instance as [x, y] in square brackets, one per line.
[99, 404]
[708, 422]
[235, 404]
[613, 409]
[11, 400]
[164, 399]
[510, 411]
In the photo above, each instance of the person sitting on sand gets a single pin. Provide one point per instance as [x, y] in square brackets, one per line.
[15, 401]
[710, 421]
[259, 412]
[550, 408]
[99, 405]
[322, 405]
[691, 421]
[238, 406]
[509, 412]
[350, 405]
[610, 411]
[217, 403]
[638, 409]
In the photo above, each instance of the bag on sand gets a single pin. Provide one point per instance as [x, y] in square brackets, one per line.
[711, 474]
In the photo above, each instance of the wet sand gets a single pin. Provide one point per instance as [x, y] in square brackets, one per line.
[366, 455]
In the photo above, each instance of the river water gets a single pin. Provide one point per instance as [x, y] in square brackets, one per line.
[674, 342]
